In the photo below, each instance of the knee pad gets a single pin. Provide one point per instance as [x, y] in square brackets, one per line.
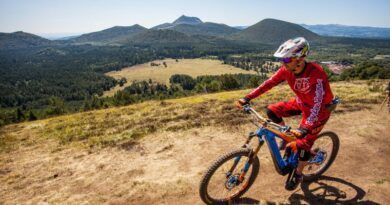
[272, 116]
[304, 155]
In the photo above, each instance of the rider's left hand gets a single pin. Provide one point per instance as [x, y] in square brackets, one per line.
[293, 146]
[299, 133]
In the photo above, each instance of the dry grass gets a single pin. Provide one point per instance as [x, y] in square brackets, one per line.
[124, 125]
[192, 67]
[156, 152]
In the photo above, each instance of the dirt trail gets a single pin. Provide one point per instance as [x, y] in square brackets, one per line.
[165, 168]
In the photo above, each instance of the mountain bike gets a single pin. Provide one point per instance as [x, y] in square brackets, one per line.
[232, 174]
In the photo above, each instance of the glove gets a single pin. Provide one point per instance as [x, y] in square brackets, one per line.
[293, 146]
[299, 133]
[241, 102]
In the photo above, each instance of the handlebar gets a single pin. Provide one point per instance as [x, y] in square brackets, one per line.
[264, 121]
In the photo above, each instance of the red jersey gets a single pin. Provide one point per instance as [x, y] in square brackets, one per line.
[311, 88]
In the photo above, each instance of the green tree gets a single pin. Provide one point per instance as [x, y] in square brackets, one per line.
[31, 116]
[122, 81]
[229, 82]
[214, 86]
[19, 115]
[253, 82]
[185, 81]
[96, 102]
[56, 106]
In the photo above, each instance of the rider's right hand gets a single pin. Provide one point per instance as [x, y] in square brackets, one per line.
[241, 102]
[299, 133]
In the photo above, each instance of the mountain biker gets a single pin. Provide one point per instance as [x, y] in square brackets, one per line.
[310, 84]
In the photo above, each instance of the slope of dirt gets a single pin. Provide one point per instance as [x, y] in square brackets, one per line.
[166, 167]
[156, 152]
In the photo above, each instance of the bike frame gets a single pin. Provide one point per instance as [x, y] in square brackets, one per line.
[282, 166]
[268, 132]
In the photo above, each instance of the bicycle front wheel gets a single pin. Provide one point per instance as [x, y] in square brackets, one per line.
[224, 180]
[326, 147]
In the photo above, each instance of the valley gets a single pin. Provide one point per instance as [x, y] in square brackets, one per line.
[158, 72]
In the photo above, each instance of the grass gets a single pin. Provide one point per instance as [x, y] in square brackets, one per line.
[382, 181]
[192, 67]
[122, 126]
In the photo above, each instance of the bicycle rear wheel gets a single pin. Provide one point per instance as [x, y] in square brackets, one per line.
[221, 183]
[327, 146]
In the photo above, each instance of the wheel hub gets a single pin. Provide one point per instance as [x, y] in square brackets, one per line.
[232, 181]
[319, 158]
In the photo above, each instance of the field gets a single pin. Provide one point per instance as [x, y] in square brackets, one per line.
[192, 67]
[156, 152]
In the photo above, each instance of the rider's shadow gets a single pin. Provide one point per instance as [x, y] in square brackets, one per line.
[325, 190]
[330, 190]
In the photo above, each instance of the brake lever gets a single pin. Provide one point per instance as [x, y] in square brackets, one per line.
[247, 108]
[285, 129]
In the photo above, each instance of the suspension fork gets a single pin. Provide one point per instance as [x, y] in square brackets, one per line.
[237, 159]
[251, 135]
[251, 157]
[257, 149]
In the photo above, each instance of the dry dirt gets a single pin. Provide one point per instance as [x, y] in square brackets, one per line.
[165, 168]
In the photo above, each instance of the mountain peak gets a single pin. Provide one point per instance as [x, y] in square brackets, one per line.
[273, 31]
[187, 20]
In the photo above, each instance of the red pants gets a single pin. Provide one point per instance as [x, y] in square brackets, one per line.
[291, 108]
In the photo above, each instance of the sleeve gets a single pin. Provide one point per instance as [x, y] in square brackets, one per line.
[319, 103]
[274, 80]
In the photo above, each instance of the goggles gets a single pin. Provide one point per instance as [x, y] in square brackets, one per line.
[286, 60]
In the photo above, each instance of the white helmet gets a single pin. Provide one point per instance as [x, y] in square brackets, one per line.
[297, 47]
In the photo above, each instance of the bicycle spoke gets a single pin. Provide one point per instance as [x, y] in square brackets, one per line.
[217, 186]
[325, 145]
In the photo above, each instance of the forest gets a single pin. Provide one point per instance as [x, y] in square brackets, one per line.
[51, 80]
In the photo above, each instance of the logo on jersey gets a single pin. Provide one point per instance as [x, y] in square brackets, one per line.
[302, 85]
[317, 103]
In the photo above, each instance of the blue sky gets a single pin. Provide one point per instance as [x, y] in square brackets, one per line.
[80, 16]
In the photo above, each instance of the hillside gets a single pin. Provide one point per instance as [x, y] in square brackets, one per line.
[212, 29]
[349, 31]
[117, 34]
[272, 31]
[183, 19]
[161, 74]
[73, 73]
[155, 153]
[162, 37]
[194, 26]
[192, 30]
[20, 40]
